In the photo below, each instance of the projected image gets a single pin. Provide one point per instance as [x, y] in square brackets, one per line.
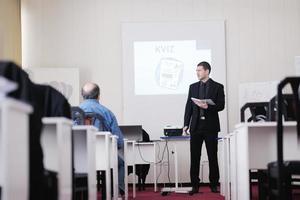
[167, 67]
[169, 73]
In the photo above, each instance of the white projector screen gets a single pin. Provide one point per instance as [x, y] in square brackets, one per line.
[159, 64]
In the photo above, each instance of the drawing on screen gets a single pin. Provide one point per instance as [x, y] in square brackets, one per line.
[169, 73]
[167, 67]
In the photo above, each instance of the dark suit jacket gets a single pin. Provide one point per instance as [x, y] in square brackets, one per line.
[215, 91]
[54, 103]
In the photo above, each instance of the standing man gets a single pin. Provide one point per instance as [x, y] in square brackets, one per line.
[91, 95]
[203, 122]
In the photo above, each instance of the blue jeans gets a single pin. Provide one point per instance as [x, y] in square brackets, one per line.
[121, 173]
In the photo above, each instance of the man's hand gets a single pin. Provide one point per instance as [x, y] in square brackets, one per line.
[185, 130]
[203, 105]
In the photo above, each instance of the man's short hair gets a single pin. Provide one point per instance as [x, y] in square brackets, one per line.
[205, 65]
[92, 94]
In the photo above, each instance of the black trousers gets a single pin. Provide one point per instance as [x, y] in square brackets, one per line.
[211, 143]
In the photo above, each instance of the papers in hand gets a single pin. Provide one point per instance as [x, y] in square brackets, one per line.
[201, 101]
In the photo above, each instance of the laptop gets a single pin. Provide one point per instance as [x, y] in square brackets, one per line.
[132, 132]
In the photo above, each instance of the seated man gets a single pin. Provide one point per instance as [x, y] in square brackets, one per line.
[91, 95]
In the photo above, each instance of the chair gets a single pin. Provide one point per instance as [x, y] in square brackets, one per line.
[287, 108]
[96, 120]
[280, 172]
[259, 111]
[78, 115]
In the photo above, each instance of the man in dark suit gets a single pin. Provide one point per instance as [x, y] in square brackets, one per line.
[202, 120]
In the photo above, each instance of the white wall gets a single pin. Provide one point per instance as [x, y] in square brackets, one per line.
[262, 38]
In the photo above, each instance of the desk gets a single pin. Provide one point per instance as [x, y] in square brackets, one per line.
[176, 140]
[107, 158]
[139, 153]
[183, 143]
[103, 146]
[253, 146]
[84, 141]
[56, 141]
[129, 161]
[225, 167]
[145, 153]
[114, 165]
[14, 149]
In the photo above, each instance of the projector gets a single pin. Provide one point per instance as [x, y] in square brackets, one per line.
[172, 131]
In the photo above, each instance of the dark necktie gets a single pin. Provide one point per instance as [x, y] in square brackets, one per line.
[204, 90]
[203, 95]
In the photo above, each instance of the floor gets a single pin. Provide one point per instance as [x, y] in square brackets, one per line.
[204, 194]
[149, 194]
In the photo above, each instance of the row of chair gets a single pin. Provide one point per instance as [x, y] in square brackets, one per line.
[267, 111]
[71, 154]
[80, 117]
[38, 143]
[88, 150]
[276, 181]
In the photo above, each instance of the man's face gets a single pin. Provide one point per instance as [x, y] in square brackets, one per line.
[202, 73]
